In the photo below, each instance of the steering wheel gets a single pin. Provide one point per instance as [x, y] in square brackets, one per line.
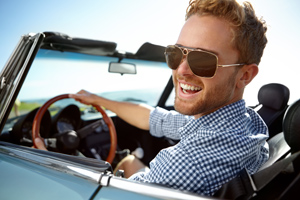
[74, 137]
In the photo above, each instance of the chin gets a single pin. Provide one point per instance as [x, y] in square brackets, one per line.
[183, 108]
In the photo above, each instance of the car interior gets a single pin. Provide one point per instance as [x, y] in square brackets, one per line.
[17, 129]
[282, 120]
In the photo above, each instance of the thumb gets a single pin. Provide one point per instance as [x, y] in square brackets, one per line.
[39, 144]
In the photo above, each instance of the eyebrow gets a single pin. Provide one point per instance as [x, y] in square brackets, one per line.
[216, 53]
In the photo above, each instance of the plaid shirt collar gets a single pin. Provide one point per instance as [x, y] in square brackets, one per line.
[231, 111]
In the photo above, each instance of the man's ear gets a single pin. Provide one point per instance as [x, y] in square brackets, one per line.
[246, 74]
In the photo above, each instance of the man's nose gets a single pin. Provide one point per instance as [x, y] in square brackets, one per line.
[184, 68]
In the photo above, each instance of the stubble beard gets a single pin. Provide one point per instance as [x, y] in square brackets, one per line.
[207, 101]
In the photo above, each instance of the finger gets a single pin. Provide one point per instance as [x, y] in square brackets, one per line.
[83, 92]
[77, 97]
[39, 144]
[79, 94]
[72, 96]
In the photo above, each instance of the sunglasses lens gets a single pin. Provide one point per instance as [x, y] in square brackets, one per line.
[173, 56]
[202, 63]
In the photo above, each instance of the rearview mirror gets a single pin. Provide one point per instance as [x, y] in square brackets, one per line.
[122, 68]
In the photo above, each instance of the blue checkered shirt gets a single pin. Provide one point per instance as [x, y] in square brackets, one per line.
[212, 149]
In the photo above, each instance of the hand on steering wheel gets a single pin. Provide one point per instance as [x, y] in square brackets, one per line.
[107, 120]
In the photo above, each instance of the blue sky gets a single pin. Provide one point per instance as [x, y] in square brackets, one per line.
[130, 23]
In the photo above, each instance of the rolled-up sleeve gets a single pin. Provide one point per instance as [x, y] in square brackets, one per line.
[166, 123]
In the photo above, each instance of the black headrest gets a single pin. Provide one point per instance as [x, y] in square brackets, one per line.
[291, 126]
[274, 95]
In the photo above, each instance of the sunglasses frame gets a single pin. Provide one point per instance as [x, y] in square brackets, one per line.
[185, 52]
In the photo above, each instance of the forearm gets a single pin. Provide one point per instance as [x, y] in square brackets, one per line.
[134, 114]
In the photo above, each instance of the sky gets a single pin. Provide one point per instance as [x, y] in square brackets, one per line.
[130, 23]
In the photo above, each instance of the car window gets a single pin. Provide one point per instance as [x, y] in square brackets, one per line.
[54, 73]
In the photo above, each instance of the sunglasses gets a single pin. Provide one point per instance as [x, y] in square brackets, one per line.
[201, 63]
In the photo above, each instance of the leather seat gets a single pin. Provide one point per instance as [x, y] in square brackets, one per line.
[291, 126]
[273, 99]
[278, 149]
[287, 141]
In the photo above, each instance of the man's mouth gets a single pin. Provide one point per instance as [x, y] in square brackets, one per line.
[189, 89]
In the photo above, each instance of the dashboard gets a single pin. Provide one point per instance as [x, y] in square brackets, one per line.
[95, 143]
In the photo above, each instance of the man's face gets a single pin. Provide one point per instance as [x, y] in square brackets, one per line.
[211, 34]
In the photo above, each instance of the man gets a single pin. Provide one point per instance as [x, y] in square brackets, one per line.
[215, 57]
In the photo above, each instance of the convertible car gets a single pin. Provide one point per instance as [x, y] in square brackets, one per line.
[86, 142]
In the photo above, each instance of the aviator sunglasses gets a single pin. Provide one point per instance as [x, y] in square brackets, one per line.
[202, 63]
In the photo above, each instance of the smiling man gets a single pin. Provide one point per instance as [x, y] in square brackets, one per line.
[196, 95]
[215, 57]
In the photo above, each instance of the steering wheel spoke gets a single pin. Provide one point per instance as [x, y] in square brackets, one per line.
[50, 143]
[88, 129]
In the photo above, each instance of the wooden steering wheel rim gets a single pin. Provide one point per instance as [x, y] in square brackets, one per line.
[107, 120]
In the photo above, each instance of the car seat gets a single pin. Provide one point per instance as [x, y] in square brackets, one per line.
[273, 99]
[287, 141]
[278, 149]
[281, 180]
[291, 126]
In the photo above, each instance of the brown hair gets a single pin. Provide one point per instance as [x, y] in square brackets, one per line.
[249, 32]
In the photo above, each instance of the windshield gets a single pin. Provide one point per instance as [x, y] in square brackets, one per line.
[54, 73]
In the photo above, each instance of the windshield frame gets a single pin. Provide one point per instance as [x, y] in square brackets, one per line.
[15, 71]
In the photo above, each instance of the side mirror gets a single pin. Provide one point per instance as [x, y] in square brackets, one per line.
[122, 68]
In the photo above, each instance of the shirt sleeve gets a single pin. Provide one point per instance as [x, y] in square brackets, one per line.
[166, 123]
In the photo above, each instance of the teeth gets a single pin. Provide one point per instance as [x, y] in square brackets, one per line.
[189, 87]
